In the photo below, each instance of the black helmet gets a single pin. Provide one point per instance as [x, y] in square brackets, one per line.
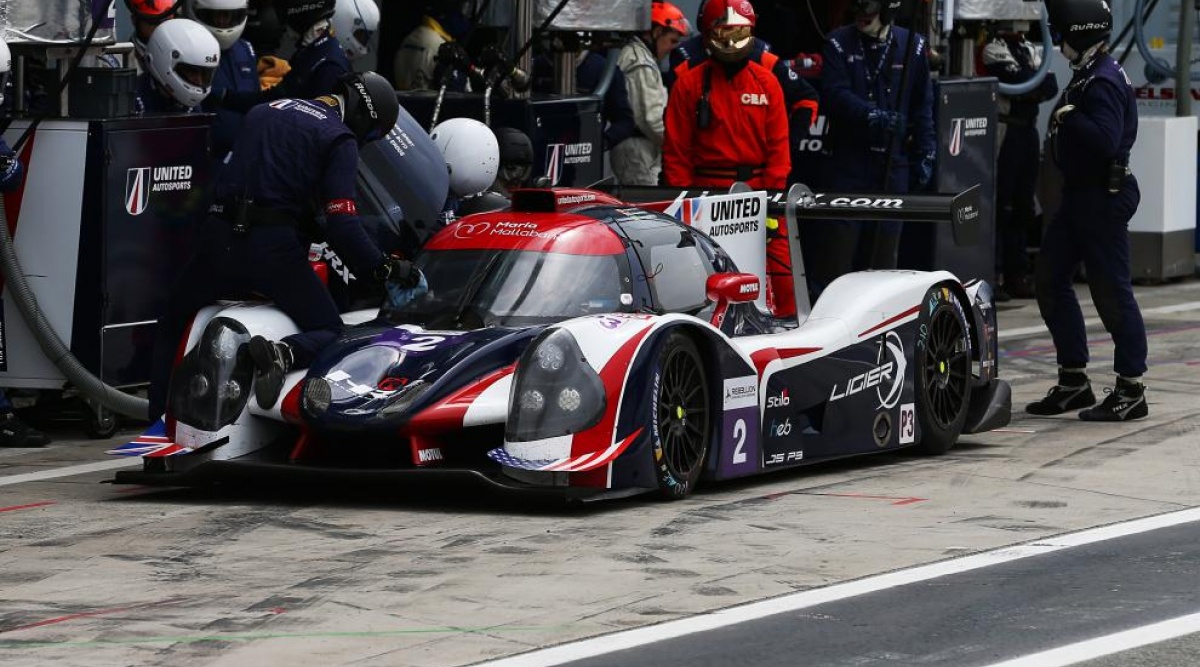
[515, 147]
[885, 8]
[264, 27]
[1080, 23]
[300, 15]
[371, 105]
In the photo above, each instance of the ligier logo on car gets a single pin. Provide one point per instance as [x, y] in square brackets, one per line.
[887, 377]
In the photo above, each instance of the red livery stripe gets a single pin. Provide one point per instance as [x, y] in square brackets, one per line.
[890, 320]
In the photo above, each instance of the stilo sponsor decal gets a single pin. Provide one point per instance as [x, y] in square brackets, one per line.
[964, 128]
[780, 401]
[561, 155]
[887, 377]
[141, 182]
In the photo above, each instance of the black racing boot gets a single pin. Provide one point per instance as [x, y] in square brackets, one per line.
[16, 433]
[1125, 403]
[271, 364]
[1073, 392]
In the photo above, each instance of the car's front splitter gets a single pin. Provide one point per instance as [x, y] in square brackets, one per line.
[213, 472]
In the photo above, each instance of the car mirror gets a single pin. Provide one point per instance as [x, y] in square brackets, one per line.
[732, 287]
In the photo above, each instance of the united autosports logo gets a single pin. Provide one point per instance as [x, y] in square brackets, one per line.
[560, 155]
[962, 128]
[141, 182]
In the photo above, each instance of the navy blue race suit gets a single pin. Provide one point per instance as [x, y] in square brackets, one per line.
[316, 69]
[236, 73]
[1011, 59]
[1087, 145]
[11, 168]
[149, 99]
[870, 117]
[292, 158]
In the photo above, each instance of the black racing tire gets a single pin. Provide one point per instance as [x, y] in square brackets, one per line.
[943, 371]
[681, 416]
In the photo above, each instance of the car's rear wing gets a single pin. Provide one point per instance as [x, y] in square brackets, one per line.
[801, 203]
[798, 203]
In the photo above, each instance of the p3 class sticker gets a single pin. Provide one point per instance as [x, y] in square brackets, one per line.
[908, 423]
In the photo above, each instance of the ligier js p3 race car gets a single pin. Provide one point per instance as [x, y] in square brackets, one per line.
[578, 344]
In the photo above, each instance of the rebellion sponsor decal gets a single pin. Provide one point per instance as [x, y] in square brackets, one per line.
[964, 128]
[741, 392]
[887, 377]
[560, 155]
[908, 424]
[142, 182]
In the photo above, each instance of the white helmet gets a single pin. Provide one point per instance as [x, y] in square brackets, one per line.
[5, 67]
[471, 153]
[225, 19]
[183, 58]
[354, 23]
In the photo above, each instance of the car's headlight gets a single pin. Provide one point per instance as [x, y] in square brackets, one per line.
[555, 391]
[210, 387]
[317, 396]
[403, 399]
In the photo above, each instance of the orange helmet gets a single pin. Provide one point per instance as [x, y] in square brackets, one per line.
[152, 11]
[668, 16]
[728, 27]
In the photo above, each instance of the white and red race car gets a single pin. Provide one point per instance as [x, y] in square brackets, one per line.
[585, 346]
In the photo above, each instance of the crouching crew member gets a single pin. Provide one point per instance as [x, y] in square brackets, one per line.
[291, 157]
[726, 122]
[181, 59]
[1091, 134]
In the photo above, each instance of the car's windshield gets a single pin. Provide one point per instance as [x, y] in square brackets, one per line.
[474, 288]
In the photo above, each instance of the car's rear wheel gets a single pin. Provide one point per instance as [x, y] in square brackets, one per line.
[682, 420]
[943, 359]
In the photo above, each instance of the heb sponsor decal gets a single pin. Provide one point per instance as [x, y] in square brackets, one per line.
[142, 182]
[740, 392]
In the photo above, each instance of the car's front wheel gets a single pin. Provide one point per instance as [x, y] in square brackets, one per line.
[682, 422]
[943, 371]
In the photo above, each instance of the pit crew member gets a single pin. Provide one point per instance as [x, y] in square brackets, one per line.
[181, 60]
[354, 24]
[637, 160]
[238, 70]
[146, 15]
[417, 58]
[871, 123]
[291, 157]
[1092, 131]
[727, 121]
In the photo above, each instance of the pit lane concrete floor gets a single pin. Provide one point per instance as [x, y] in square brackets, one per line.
[93, 574]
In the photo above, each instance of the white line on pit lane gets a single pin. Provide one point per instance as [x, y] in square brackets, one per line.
[69, 471]
[1109, 644]
[1025, 332]
[604, 644]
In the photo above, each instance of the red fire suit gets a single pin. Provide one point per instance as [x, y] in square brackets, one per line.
[746, 140]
